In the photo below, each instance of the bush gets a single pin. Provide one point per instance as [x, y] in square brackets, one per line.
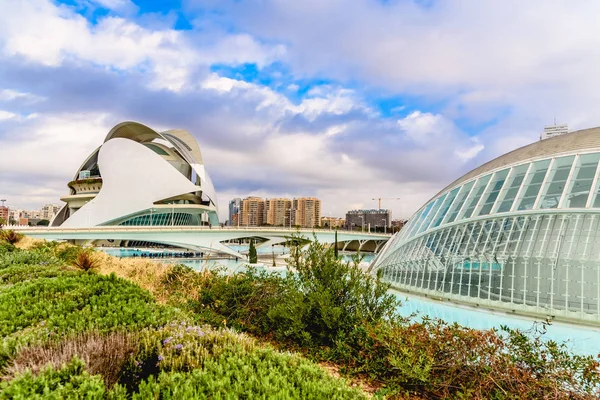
[10, 236]
[103, 354]
[76, 303]
[252, 256]
[329, 299]
[26, 257]
[70, 382]
[6, 247]
[334, 312]
[45, 308]
[17, 273]
[241, 301]
[186, 361]
[85, 261]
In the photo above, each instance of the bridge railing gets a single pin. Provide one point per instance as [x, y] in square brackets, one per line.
[131, 228]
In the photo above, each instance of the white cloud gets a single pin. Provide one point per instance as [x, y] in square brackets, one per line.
[467, 153]
[52, 144]
[528, 61]
[6, 115]
[7, 95]
[116, 5]
[48, 34]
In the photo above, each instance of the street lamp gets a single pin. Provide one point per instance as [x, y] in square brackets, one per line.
[384, 225]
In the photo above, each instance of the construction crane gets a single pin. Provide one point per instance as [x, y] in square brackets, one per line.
[384, 198]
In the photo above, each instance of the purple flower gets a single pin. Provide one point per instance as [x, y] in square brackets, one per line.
[178, 347]
[167, 340]
[160, 358]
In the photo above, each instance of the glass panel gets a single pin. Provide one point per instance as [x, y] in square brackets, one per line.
[158, 150]
[475, 195]
[427, 221]
[460, 200]
[445, 207]
[555, 185]
[494, 190]
[419, 219]
[579, 188]
[510, 190]
[533, 183]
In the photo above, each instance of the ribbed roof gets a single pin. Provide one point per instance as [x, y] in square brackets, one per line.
[578, 140]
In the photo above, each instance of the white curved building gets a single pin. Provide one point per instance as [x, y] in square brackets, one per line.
[521, 232]
[141, 177]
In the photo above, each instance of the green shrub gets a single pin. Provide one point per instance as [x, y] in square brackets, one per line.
[69, 382]
[66, 252]
[10, 236]
[31, 257]
[241, 301]
[17, 273]
[6, 247]
[327, 299]
[77, 303]
[46, 308]
[186, 361]
[252, 255]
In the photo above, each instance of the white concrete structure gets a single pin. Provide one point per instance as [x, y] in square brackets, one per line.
[520, 233]
[139, 177]
[204, 238]
[551, 131]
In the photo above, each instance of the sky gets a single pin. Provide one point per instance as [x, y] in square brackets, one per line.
[343, 100]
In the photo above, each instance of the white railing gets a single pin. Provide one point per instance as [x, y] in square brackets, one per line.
[196, 228]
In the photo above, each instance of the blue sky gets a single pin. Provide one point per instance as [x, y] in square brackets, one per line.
[347, 101]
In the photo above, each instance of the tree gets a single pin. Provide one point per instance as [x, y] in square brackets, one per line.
[2, 222]
[252, 256]
[335, 248]
[43, 222]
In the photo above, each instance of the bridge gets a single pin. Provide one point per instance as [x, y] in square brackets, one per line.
[208, 239]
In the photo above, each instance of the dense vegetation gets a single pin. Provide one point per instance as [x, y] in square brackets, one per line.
[70, 332]
[78, 324]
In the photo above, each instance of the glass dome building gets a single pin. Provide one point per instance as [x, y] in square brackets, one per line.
[521, 233]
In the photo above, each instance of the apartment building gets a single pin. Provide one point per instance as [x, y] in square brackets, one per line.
[279, 211]
[253, 211]
[307, 212]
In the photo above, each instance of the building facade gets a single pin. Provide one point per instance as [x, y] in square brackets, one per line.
[306, 212]
[235, 206]
[253, 211]
[48, 211]
[4, 214]
[332, 222]
[141, 177]
[369, 220]
[551, 131]
[279, 211]
[521, 233]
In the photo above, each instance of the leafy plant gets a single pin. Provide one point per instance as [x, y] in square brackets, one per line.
[10, 236]
[189, 361]
[85, 261]
[103, 354]
[252, 255]
[69, 382]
